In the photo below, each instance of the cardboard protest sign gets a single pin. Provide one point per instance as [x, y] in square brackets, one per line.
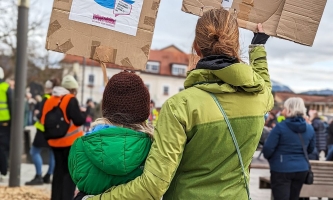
[295, 20]
[109, 31]
[118, 15]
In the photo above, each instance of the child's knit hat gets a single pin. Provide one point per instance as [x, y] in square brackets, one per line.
[126, 99]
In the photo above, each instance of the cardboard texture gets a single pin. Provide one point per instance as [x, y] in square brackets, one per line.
[100, 44]
[295, 20]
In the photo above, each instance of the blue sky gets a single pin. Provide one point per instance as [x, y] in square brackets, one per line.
[300, 67]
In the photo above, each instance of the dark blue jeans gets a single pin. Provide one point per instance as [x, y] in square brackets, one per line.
[329, 156]
[287, 186]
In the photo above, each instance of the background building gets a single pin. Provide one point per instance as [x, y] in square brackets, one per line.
[164, 75]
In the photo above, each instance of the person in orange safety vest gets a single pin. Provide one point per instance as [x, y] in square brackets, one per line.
[62, 185]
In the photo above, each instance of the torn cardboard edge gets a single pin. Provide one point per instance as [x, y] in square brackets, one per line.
[96, 50]
[300, 26]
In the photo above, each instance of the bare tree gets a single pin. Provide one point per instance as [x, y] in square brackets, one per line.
[38, 58]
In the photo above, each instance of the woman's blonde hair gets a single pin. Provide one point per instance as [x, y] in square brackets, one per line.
[295, 107]
[217, 33]
[143, 127]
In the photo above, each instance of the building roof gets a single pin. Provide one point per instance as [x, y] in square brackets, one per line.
[168, 56]
[172, 48]
[283, 96]
[69, 59]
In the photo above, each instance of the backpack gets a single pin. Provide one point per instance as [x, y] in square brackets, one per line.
[55, 124]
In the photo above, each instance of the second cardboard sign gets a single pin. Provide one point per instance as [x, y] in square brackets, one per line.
[295, 20]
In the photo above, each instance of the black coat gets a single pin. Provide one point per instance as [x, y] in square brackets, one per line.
[39, 140]
[330, 134]
[320, 130]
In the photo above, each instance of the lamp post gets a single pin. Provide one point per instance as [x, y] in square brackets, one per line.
[16, 142]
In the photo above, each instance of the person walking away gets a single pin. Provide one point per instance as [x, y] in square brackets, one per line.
[127, 132]
[271, 121]
[194, 155]
[40, 142]
[153, 116]
[284, 151]
[98, 110]
[39, 100]
[90, 114]
[62, 185]
[320, 129]
[31, 105]
[5, 122]
[329, 156]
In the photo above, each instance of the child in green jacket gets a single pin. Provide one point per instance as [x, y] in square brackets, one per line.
[115, 149]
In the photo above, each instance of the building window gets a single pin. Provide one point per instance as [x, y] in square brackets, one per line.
[91, 79]
[179, 70]
[181, 89]
[166, 90]
[153, 67]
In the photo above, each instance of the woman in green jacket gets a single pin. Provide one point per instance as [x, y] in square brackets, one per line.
[193, 155]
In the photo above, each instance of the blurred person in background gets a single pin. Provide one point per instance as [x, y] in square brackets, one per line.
[5, 122]
[329, 156]
[40, 142]
[153, 116]
[90, 106]
[271, 120]
[320, 129]
[39, 100]
[284, 150]
[65, 97]
[98, 111]
[30, 109]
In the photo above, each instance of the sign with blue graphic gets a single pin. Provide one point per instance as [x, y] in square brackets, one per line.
[118, 15]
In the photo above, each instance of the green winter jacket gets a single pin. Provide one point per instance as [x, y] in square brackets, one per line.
[193, 155]
[107, 157]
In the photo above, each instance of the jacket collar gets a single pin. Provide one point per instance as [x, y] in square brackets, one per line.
[220, 75]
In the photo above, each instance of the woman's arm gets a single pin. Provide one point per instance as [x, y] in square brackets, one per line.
[258, 58]
[271, 143]
[162, 162]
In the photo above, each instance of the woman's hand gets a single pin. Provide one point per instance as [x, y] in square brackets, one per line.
[260, 37]
[260, 28]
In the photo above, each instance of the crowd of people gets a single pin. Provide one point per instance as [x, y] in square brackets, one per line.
[199, 146]
[81, 118]
[322, 127]
[290, 139]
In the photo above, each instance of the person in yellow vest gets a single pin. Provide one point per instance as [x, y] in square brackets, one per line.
[5, 119]
[153, 117]
[62, 185]
[40, 143]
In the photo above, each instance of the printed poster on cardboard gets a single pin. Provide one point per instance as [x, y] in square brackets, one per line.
[117, 15]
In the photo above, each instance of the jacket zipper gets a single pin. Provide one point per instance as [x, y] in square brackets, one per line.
[281, 158]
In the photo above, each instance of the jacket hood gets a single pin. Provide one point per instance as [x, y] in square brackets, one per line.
[215, 62]
[116, 151]
[296, 124]
[220, 74]
[59, 91]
